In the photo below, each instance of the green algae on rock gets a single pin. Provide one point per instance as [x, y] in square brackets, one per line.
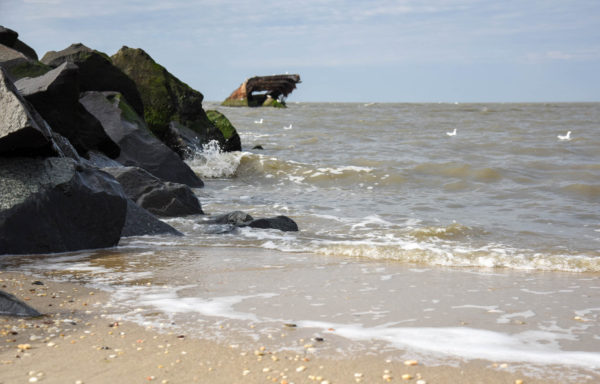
[165, 97]
[232, 139]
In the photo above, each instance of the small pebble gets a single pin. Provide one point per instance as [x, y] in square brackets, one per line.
[406, 376]
[300, 368]
[387, 377]
[421, 382]
[518, 381]
[411, 362]
[245, 372]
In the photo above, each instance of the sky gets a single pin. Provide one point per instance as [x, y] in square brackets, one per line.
[343, 50]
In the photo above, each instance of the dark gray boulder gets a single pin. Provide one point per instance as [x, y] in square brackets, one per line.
[97, 73]
[11, 306]
[7, 36]
[25, 49]
[140, 222]
[138, 146]
[158, 197]
[228, 221]
[282, 223]
[22, 130]
[56, 205]
[55, 95]
[237, 218]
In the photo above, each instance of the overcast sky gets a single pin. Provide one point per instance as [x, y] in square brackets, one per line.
[376, 50]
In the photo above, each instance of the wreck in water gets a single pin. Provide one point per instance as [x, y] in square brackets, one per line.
[263, 91]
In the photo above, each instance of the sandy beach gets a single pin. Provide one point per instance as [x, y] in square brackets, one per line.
[78, 341]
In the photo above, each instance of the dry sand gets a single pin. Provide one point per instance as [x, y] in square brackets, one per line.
[76, 342]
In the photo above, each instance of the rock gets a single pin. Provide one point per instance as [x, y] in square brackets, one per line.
[232, 139]
[165, 97]
[22, 130]
[97, 73]
[138, 147]
[259, 147]
[11, 306]
[158, 197]
[242, 219]
[56, 205]
[282, 223]
[25, 49]
[8, 37]
[19, 65]
[237, 218]
[55, 96]
[140, 222]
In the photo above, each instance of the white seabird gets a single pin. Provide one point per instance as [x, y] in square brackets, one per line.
[566, 137]
[453, 133]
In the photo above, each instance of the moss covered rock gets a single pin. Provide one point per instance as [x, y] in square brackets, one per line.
[232, 139]
[165, 97]
[19, 65]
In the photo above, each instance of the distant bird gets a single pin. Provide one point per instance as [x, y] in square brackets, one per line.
[258, 121]
[288, 127]
[566, 137]
[453, 133]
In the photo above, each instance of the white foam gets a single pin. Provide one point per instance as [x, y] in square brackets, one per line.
[536, 347]
[211, 162]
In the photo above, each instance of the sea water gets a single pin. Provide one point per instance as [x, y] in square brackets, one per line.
[480, 245]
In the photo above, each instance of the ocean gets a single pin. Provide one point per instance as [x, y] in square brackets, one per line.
[484, 244]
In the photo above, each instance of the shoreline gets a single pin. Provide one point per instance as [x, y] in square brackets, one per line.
[78, 341]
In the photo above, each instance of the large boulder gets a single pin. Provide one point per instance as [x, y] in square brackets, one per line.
[22, 131]
[165, 97]
[55, 96]
[140, 222]
[138, 147]
[56, 205]
[97, 73]
[19, 64]
[158, 197]
[8, 37]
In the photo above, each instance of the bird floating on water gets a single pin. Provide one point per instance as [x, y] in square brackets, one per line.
[258, 121]
[453, 133]
[288, 127]
[566, 137]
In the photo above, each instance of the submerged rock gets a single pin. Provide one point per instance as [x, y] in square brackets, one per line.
[138, 147]
[158, 197]
[282, 223]
[242, 219]
[11, 306]
[55, 96]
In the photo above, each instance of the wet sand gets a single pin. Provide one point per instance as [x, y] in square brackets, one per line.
[78, 341]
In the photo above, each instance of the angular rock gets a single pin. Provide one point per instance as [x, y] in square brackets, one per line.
[237, 218]
[242, 219]
[232, 139]
[11, 306]
[55, 205]
[25, 49]
[22, 130]
[140, 222]
[282, 223]
[158, 197]
[138, 147]
[97, 73]
[7, 36]
[165, 97]
[19, 62]
[55, 96]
